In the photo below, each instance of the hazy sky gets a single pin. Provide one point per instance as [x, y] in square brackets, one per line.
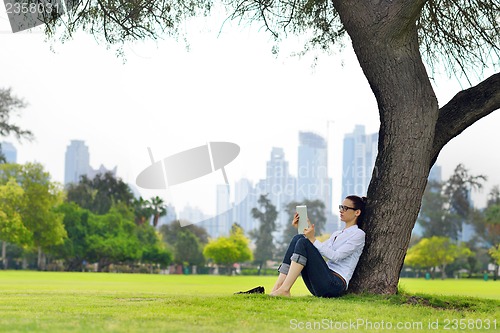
[225, 88]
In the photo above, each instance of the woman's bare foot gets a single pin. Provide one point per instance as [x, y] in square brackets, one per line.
[280, 292]
[276, 286]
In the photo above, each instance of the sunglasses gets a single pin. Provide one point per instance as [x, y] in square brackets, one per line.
[345, 208]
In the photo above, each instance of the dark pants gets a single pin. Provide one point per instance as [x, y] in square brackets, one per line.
[318, 278]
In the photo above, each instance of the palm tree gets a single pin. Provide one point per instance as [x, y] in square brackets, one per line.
[158, 209]
[142, 210]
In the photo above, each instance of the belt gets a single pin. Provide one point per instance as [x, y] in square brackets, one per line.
[341, 278]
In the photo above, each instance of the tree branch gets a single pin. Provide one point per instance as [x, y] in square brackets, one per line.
[464, 109]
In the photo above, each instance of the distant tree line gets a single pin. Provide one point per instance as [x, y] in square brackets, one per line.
[447, 213]
[95, 222]
[98, 221]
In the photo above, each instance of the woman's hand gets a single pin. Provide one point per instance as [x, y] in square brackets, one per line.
[295, 221]
[309, 232]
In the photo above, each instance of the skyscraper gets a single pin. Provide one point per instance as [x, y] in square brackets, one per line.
[190, 213]
[224, 213]
[312, 175]
[76, 161]
[244, 201]
[279, 185]
[9, 152]
[360, 152]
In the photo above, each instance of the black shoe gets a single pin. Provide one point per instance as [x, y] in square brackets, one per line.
[256, 290]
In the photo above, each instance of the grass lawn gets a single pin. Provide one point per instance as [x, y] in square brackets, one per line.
[99, 302]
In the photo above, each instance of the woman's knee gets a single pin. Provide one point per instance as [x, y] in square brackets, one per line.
[297, 237]
[303, 242]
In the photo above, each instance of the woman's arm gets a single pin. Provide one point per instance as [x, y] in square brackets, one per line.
[353, 243]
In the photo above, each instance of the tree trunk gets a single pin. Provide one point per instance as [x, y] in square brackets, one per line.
[103, 263]
[4, 255]
[390, 58]
[41, 259]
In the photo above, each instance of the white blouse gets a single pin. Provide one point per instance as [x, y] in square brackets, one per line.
[343, 250]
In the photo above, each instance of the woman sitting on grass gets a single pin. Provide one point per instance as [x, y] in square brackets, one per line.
[305, 255]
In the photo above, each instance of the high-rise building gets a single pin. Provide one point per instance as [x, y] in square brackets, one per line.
[9, 152]
[190, 213]
[170, 217]
[312, 174]
[360, 152]
[279, 185]
[244, 201]
[224, 212]
[76, 162]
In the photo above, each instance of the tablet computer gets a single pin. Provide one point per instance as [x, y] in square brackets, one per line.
[302, 211]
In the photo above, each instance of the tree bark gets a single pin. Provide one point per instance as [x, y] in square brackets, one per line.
[390, 58]
[4, 255]
[41, 262]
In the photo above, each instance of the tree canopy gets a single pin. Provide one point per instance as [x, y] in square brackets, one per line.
[264, 246]
[100, 193]
[111, 238]
[460, 33]
[229, 250]
[446, 206]
[435, 252]
[9, 106]
[41, 196]
[12, 202]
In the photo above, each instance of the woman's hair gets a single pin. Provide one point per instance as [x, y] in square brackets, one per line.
[359, 203]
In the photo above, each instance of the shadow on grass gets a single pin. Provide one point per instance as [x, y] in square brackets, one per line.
[462, 303]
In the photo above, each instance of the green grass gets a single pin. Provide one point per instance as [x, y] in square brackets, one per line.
[93, 302]
[463, 287]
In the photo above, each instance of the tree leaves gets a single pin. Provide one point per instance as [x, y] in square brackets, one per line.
[229, 250]
[10, 105]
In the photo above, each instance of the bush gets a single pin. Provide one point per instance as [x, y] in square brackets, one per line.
[255, 271]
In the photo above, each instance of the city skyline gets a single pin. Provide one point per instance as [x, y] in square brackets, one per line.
[227, 87]
[92, 171]
[238, 211]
